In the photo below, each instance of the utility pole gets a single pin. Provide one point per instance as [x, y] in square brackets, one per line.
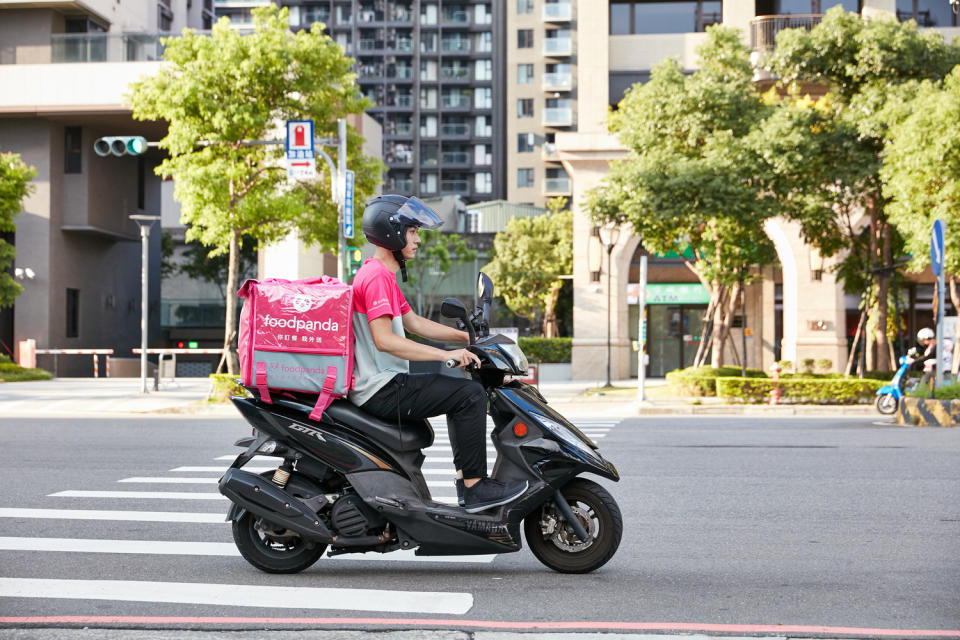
[341, 200]
[145, 222]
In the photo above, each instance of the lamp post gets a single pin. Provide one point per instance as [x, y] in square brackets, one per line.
[609, 234]
[145, 223]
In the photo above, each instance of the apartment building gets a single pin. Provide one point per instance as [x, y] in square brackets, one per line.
[64, 68]
[617, 43]
[434, 70]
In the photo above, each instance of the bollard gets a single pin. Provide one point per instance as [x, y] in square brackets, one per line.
[106, 371]
[96, 366]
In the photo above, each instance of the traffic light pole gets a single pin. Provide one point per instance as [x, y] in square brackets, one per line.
[341, 200]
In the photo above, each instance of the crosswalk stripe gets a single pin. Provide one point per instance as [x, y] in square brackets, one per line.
[220, 469]
[135, 516]
[213, 480]
[239, 595]
[182, 548]
[139, 495]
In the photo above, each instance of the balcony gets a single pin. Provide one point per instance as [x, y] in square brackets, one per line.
[455, 186]
[764, 29]
[455, 46]
[557, 12]
[456, 17]
[558, 117]
[455, 129]
[107, 47]
[400, 73]
[454, 73]
[455, 101]
[558, 47]
[401, 185]
[557, 187]
[455, 157]
[558, 81]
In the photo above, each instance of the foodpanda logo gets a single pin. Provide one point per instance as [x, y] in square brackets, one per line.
[299, 324]
[302, 302]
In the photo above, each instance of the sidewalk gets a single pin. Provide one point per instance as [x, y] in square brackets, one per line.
[187, 396]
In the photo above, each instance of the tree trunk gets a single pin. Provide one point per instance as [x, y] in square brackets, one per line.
[549, 326]
[229, 330]
[719, 326]
[706, 334]
[883, 288]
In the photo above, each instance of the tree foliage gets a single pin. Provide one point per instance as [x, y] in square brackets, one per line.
[691, 178]
[221, 91]
[438, 253]
[15, 185]
[826, 159]
[529, 257]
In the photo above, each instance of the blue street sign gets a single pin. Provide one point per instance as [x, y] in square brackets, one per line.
[348, 204]
[936, 247]
[300, 140]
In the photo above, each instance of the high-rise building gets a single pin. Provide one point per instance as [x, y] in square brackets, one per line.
[435, 71]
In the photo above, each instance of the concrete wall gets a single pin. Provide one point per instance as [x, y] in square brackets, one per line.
[25, 35]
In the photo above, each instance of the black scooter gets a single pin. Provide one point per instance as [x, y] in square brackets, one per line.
[352, 482]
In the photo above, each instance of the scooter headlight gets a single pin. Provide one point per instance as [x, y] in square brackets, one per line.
[565, 434]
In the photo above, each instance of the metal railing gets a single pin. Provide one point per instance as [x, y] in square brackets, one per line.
[455, 129]
[454, 73]
[558, 47]
[556, 185]
[455, 157]
[109, 47]
[764, 29]
[558, 116]
[459, 186]
[557, 11]
[455, 101]
[462, 46]
[558, 81]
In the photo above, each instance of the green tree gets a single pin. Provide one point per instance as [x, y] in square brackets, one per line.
[690, 178]
[529, 257]
[438, 253]
[15, 185]
[828, 160]
[921, 174]
[220, 92]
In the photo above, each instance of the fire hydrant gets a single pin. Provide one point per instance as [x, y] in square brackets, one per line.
[776, 392]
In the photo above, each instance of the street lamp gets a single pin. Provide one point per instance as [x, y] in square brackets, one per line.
[609, 234]
[145, 223]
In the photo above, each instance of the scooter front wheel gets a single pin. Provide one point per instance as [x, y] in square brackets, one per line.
[273, 549]
[886, 403]
[552, 540]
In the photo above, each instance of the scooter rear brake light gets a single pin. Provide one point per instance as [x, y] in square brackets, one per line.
[520, 429]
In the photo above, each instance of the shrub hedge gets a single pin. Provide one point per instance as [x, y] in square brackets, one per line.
[946, 392]
[702, 381]
[797, 390]
[224, 385]
[547, 349]
[11, 372]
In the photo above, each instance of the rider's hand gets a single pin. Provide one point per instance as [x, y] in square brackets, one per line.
[463, 357]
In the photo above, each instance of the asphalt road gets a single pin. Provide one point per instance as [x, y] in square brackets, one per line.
[738, 521]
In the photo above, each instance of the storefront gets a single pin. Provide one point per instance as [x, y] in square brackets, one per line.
[674, 324]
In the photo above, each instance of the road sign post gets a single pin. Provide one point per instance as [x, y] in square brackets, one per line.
[936, 263]
[301, 157]
[348, 204]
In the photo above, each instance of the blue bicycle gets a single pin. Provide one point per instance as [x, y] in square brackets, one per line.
[888, 396]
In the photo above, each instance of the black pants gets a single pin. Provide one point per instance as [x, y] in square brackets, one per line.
[425, 395]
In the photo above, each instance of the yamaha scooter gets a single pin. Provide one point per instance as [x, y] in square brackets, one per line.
[888, 396]
[352, 483]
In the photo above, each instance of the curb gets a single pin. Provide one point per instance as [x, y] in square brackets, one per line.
[925, 412]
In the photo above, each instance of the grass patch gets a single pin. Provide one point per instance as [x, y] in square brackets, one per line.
[12, 372]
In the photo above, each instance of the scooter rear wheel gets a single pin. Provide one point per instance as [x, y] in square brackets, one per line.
[273, 552]
[886, 403]
[552, 540]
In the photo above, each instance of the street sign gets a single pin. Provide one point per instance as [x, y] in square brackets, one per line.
[348, 204]
[301, 159]
[936, 248]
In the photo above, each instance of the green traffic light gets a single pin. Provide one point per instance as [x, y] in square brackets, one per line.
[136, 145]
[192, 344]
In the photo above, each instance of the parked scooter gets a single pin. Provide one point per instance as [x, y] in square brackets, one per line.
[352, 483]
[888, 396]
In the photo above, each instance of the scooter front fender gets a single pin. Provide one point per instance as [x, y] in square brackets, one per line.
[888, 389]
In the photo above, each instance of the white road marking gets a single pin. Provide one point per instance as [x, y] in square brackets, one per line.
[238, 595]
[135, 516]
[222, 549]
[139, 495]
[173, 480]
[220, 469]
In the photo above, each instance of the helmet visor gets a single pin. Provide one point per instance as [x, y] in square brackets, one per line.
[414, 213]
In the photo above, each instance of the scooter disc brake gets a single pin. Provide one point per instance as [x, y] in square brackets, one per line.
[565, 539]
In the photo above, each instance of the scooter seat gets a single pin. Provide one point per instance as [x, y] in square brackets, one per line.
[410, 436]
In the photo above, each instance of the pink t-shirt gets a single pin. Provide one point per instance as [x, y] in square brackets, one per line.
[375, 294]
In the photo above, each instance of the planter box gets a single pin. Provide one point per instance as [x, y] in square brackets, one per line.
[555, 371]
[923, 412]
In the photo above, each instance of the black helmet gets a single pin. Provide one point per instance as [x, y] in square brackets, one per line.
[386, 219]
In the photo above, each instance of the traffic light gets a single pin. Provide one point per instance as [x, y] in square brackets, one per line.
[356, 258]
[120, 145]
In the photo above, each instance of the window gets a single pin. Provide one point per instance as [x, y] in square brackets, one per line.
[428, 14]
[72, 150]
[483, 70]
[524, 6]
[483, 98]
[524, 178]
[678, 16]
[428, 69]
[428, 183]
[483, 182]
[524, 38]
[428, 98]
[428, 126]
[474, 218]
[428, 42]
[483, 127]
[484, 42]
[481, 14]
[525, 142]
[525, 108]
[482, 154]
[927, 13]
[73, 313]
[524, 73]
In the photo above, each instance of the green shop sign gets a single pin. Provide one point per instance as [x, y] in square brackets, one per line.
[679, 293]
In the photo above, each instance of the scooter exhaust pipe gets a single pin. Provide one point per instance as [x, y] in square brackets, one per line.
[263, 498]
